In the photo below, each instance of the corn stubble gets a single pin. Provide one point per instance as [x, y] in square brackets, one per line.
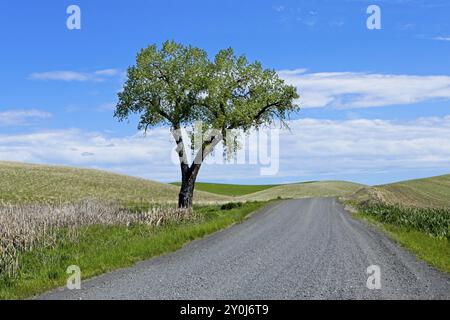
[26, 227]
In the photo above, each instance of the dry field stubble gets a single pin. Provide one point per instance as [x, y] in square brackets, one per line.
[25, 227]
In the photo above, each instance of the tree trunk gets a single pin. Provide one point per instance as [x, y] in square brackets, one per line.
[189, 173]
[189, 176]
[186, 194]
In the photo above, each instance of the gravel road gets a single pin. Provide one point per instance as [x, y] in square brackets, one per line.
[298, 249]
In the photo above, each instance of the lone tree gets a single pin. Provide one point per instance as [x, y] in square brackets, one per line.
[178, 85]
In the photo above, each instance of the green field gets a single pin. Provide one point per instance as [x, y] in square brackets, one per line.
[229, 189]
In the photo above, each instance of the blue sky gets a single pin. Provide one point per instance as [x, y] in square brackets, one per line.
[375, 102]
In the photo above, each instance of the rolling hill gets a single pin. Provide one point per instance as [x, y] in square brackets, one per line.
[423, 193]
[29, 183]
[306, 190]
[229, 189]
[26, 183]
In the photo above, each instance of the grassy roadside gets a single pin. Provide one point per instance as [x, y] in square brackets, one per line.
[101, 249]
[434, 250]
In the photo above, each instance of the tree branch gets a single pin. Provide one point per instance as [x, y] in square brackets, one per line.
[206, 149]
[265, 109]
[257, 117]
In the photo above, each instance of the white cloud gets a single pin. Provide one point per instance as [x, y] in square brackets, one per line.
[279, 8]
[313, 148]
[293, 72]
[336, 23]
[106, 107]
[21, 117]
[363, 90]
[442, 38]
[96, 76]
[107, 72]
[139, 155]
[326, 146]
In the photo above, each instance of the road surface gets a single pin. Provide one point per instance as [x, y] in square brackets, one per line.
[299, 249]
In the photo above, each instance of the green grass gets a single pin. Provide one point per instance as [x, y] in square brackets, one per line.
[229, 189]
[435, 251]
[102, 249]
[28, 183]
